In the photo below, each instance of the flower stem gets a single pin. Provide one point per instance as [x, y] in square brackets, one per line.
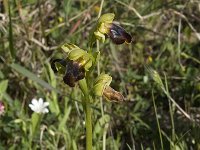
[35, 123]
[87, 109]
[88, 127]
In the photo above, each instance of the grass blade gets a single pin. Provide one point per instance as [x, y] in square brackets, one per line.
[158, 124]
[10, 38]
[32, 76]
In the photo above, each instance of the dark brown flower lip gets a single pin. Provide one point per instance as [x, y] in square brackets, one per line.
[74, 73]
[118, 34]
[74, 70]
[69, 79]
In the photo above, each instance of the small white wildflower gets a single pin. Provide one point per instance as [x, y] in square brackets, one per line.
[39, 106]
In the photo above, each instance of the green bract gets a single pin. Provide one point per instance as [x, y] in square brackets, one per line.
[100, 83]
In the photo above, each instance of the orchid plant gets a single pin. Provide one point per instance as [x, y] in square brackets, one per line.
[78, 64]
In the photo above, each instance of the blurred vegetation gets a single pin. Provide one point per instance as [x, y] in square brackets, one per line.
[166, 36]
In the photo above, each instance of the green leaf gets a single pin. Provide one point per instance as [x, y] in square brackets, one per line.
[1, 75]
[74, 145]
[101, 123]
[35, 121]
[3, 86]
[64, 119]
[53, 98]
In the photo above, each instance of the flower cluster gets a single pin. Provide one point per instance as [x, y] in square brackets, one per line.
[78, 61]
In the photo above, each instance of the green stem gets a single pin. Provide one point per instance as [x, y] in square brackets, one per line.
[87, 109]
[88, 126]
[158, 124]
[171, 111]
[100, 10]
[35, 123]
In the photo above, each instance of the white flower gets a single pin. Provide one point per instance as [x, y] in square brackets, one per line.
[39, 106]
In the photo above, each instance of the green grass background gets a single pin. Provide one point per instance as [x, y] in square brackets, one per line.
[166, 36]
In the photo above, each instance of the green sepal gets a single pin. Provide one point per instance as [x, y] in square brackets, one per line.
[67, 47]
[101, 82]
[76, 54]
[106, 18]
[104, 28]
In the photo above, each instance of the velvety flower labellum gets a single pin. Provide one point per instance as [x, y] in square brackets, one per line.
[74, 73]
[118, 35]
[69, 79]
[73, 70]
